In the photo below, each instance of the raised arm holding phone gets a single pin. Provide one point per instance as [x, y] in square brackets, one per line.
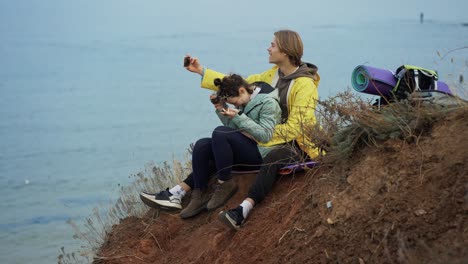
[296, 85]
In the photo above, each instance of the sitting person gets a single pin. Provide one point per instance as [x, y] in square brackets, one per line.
[252, 121]
[296, 83]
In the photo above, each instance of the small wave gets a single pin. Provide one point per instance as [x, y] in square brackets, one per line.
[38, 220]
[81, 201]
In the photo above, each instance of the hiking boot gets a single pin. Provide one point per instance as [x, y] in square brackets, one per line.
[197, 204]
[223, 191]
[232, 218]
[162, 200]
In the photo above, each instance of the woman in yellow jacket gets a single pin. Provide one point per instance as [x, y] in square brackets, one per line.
[296, 84]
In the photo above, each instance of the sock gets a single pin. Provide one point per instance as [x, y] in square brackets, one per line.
[246, 207]
[177, 190]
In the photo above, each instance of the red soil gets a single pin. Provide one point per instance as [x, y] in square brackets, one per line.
[398, 203]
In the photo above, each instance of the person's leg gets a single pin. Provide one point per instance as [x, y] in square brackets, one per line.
[171, 199]
[276, 159]
[202, 160]
[272, 163]
[202, 156]
[230, 147]
[188, 184]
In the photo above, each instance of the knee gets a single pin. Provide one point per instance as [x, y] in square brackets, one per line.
[202, 144]
[269, 169]
[220, 131]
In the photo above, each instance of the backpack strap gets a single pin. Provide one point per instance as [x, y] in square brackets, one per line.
[266, 88]
[416, 80]
[400, 72]
[289, 91]
[275, 79]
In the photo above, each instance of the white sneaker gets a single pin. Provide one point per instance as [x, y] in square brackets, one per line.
[162, 200]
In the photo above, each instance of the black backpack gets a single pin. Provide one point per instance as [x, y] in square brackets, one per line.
[266, 87]
[413, 78]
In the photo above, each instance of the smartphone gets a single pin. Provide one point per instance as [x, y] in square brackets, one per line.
[215, 100]
[186, 61]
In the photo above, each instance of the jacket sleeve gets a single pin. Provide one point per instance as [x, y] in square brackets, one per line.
[301, 113]
[210, 75]
[265, 76]
[262, 131]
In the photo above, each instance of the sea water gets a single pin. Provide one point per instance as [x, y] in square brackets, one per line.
[80, 114]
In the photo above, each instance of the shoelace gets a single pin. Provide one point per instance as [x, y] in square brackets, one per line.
[216, 186]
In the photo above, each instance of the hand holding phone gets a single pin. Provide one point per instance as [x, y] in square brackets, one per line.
[229, 112]
[192, 64]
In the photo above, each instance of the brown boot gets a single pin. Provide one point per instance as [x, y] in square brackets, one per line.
[222, 193]
[197, 204]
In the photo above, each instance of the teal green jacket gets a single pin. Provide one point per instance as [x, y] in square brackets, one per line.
[258, 119]
[302, 102]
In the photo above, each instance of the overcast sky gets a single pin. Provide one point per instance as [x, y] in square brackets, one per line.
[144, 16]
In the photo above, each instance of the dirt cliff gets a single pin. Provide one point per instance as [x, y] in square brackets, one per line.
[397, 203]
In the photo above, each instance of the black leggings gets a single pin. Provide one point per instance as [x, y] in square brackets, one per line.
[227, 147]
[273, 161]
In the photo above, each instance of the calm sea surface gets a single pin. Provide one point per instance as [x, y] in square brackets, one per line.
[79, 115]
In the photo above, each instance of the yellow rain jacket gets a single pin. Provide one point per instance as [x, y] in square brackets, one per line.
[301, 101]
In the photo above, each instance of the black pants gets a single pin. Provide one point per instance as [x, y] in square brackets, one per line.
[227, 147]
[273, 161]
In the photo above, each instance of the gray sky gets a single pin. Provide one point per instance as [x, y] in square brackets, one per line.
[81, 16]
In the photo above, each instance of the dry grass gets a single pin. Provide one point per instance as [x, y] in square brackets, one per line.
[347, 123]
[94, 229]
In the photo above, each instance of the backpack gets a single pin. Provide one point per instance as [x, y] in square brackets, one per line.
[266, 87]
[413, 78]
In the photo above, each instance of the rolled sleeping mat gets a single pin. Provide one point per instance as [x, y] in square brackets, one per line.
[298, 167]
[370, 80]
[444, 88]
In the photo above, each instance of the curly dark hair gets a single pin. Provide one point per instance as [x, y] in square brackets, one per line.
[230, 84]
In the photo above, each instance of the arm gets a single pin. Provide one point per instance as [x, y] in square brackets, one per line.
[266, 76]
[210, 75]
[262, 131]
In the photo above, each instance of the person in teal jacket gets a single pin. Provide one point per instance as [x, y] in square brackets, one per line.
[252, 121]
